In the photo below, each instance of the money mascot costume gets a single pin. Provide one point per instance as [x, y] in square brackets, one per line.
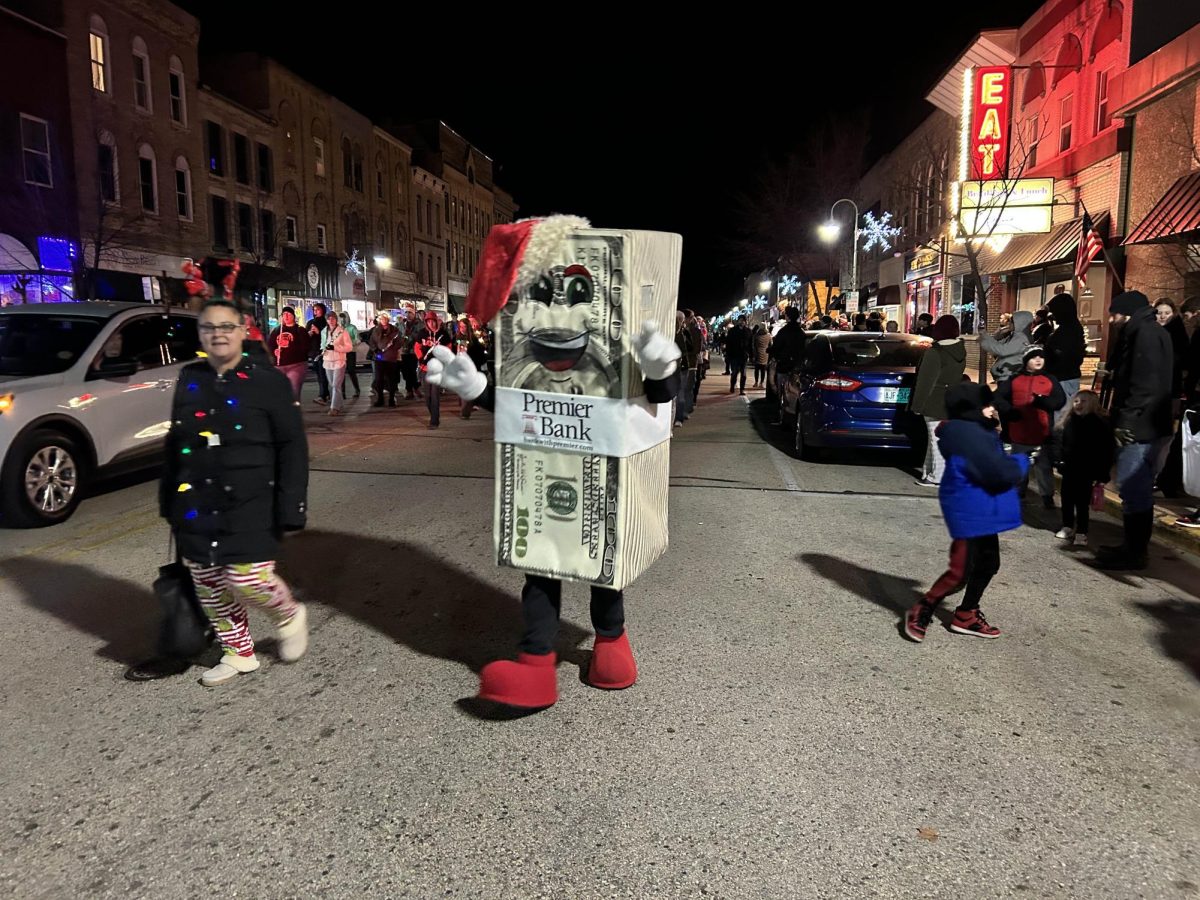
[584, 379]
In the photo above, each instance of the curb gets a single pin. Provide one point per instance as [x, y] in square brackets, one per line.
[1165, 529]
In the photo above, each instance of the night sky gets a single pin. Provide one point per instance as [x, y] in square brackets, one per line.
[655, 126]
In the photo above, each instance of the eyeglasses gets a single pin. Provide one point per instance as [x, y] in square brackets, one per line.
[223, 327]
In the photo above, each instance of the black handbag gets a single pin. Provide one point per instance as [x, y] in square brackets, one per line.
[184, 630]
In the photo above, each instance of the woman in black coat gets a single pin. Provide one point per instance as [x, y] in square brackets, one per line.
[1170, 474]
[236, 478]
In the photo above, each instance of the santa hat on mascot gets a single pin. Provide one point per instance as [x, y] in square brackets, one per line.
[514, 257]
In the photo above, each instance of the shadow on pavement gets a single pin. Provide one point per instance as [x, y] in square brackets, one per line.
[888, 591]
[123, 614]
[1179, 637]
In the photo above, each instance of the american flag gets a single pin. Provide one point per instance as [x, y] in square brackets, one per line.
[1090, 246]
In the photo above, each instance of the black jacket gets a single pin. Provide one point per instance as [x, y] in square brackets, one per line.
[1179, 346]
[314, 340]
[1087, 448]
[737, 344]
[787, 349]
[1142, 383]
[1191, 368]
[1066, 345]
[288, 345]
[236, 469]
[689, 346]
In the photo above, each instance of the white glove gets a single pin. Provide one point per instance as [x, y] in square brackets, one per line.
[455, 372]
[658, 356]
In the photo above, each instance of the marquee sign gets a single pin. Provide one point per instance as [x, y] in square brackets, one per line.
[990, 122]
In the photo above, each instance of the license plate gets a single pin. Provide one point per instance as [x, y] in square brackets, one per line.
[894, 395]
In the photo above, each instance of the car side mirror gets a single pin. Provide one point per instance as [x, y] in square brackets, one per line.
[114, 368]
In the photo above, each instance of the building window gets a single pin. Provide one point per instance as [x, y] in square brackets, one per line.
[1033, 138]
[290, 230]
[319, 156]
[322, 244]
[147, 180]
[419, 228]
[454, 211]
[266, 178]
[347, 163]
[98, 42]
[266, 220]
[446, 203]
[219, 216]
[1103, 116]
[106, 166]
[358, 169]
[429, 214]
[183, 189]
[245, 226]
[141, 76]
[429, 269]
[178, 98]
[35, 142]
[379, 185]
[420, 265]
[215, 135]
[241, 158]
[1066, 110]
[436, 218]
[439, 272]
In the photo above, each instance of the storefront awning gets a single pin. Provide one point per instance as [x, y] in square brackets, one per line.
[1175, 215]
[1027, 251]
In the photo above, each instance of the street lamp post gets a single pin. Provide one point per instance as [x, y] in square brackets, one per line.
[829, 233]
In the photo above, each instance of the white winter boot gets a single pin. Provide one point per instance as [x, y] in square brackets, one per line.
[229, 668]
[293, 637]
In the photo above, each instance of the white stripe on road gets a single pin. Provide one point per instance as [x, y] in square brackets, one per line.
[785, 468]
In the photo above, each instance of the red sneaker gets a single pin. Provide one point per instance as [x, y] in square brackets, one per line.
[612, 667]
[529, 683]
[916, 621]
[972, 622]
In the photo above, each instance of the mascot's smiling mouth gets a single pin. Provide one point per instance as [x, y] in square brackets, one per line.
[556, 349]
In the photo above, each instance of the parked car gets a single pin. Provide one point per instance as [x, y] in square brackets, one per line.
[85, 391]
[852, 390]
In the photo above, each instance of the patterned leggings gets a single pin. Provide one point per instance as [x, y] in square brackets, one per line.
[225, 591]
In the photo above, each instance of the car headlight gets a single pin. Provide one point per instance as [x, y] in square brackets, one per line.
[6, 403]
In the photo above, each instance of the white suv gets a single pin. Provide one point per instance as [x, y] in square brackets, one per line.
[85, 390]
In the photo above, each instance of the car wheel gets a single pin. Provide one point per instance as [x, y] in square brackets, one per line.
[799, 447]
[43, 480]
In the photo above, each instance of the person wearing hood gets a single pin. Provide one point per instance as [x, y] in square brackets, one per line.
[1008, 345]
[978, 497]
[1190, 313]
[1028, 403]
[941, 368]
[1065, 347]
[1141, 415]
[1170, 463]
[1042, 326]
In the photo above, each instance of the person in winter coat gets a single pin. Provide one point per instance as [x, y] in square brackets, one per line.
[1065, 346]
[235, 478]
[1190, 313]
[432, 335]
[386, 343]
[1141, 416]
[923, 325]
[737, 352]
[1042, 326]
[941, 367]
[1087, 458]
[288, 346]
[335, 344]
[762, 342]
[1008, 345]
[1027, 404]
[352, 356]
[787, 348]
[410, 363]
[1170, 463]
[979, 500]
[685, 340]
[315, 326]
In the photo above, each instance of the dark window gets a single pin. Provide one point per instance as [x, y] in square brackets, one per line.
[220, 222]
[141, 341]
[146, 182]
[216, 148]
[266, 179]
[245, 226]
[290, 223]
[867, 354]
[267, 220]
[108, 173]
[177, 97]
[241, 158]
[42, 345]
[182, 339]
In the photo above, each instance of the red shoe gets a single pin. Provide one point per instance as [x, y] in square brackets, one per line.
[916, 620]
[529, 683]
[972, 622]
[612, 667]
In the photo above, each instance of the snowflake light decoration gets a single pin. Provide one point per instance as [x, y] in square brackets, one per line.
[789, 285]
[878, 232]
[356, 266]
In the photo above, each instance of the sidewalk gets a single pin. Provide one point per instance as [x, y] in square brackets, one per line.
[1166, 511]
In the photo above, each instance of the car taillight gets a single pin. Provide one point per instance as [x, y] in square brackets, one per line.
[835, 382]
[6, 403]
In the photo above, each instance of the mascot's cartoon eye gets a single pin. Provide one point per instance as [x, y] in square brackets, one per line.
[542, 290]
[579, 290]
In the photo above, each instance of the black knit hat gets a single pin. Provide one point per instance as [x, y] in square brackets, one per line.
[287, 309]
[1128, 303]
[1034, 350]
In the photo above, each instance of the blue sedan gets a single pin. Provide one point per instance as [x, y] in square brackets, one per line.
[852, 391]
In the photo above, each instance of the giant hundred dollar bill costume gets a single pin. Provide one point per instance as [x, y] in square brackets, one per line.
[584, 380]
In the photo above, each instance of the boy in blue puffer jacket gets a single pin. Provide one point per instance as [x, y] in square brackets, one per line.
[979, 499]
